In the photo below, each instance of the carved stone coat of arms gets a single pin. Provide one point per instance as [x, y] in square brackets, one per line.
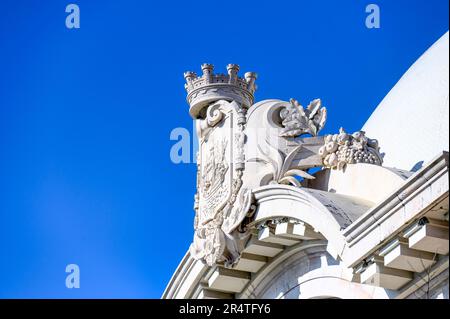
[220, 164]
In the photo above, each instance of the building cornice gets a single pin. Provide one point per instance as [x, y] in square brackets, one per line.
[364, 224]
[385, 222]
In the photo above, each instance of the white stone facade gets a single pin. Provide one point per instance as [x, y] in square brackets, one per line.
[267, 228]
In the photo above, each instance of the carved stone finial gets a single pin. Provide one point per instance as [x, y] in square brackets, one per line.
[233, 70]
[207, 72]
[250, 78]
[210, 87]
[189, 76]
[343, 148]
[207, 68]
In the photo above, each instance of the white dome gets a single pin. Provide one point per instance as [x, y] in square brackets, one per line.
[411, 123]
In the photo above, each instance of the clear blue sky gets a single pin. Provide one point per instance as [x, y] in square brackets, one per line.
[85, 119]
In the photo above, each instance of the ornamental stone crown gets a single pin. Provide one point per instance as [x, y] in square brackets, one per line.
[210, 87]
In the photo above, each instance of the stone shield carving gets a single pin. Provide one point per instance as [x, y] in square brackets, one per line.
[221, 202]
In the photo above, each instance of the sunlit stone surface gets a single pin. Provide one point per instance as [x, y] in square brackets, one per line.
[364, 226]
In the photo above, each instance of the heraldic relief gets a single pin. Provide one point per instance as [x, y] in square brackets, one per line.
[243, 146]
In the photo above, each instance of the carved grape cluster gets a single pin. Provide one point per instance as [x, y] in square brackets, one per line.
[343, 148]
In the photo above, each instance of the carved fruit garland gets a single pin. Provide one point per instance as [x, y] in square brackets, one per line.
[343, 148]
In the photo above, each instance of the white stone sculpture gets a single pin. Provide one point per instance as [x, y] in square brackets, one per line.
[343, 148]
[220, 164]
[219, 103]
[366, 231]
[243, 146]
